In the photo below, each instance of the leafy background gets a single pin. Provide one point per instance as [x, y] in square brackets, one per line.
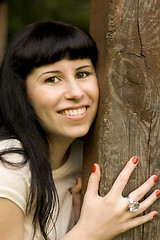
[23, 12]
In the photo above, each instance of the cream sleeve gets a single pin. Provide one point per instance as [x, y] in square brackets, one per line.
[14, 182]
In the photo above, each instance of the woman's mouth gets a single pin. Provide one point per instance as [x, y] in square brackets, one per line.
[74, 112]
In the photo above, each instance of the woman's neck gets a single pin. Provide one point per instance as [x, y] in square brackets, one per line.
[59, 153]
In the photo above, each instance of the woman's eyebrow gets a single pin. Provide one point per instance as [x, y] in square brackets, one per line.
[56, 71]
[84, 67]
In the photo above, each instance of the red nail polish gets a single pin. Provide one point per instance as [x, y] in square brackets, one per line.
[135, 160]
[94, 168]
[155, 214]
[158, 193]
[155, 178]
[76, 182]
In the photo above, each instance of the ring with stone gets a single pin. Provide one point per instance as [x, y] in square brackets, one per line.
[133, 205]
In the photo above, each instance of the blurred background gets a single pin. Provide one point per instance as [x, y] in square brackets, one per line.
[15, 14]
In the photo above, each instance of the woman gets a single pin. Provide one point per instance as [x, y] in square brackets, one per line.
[48, 99]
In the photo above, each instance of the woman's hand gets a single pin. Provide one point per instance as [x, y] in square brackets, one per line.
[103, 218]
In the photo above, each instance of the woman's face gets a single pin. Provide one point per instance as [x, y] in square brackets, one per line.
[65, 97]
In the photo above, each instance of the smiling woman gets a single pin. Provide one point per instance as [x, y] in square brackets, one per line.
[49, 98]
[46, 72]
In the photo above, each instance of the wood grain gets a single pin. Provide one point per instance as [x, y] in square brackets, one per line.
[127, 33]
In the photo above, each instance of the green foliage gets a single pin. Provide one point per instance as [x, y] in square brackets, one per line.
[23, 12]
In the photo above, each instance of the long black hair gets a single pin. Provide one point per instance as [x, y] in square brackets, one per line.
[37, 44]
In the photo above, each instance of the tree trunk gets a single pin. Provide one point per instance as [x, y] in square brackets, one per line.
[127, 33]
[3, 27]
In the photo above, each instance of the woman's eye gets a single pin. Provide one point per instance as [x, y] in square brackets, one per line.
[82, 75]
[52, 80]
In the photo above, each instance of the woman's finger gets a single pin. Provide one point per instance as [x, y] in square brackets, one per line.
[149, 200]
[93, 182]
[145, 204]
[134, 222]
[137, 194]
[77, 187]
[123, 177]
[76, 193]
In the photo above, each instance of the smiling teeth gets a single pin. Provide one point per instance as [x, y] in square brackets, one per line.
[74, 112]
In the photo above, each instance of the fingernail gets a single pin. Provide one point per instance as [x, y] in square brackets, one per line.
[155, 214]
[155, 178]
[76, 182]
[94, 168]
[158, 193]
[135, 160]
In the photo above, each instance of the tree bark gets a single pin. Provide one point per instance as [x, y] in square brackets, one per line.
[3, 27]
[127, 34]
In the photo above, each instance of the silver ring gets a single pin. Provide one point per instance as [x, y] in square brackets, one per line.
[133, 205]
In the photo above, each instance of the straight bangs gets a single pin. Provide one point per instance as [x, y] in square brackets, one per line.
[49, 42]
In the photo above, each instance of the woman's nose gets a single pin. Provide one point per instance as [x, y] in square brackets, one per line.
[73, 90]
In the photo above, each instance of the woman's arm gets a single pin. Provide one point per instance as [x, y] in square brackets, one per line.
[11, 221]
[103, 218]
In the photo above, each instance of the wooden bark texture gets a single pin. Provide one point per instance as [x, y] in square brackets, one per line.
[127, 33]
[3, 27]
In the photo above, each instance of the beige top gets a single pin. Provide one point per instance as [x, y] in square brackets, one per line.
[15, 185]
